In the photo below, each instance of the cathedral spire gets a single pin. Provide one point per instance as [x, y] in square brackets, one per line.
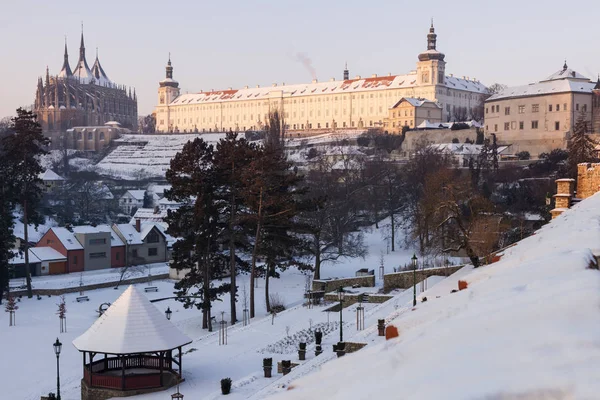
[81, 46]
[82, 71]
[65, 71]
[597, 87]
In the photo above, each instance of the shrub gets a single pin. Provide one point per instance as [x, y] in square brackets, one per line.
[363, 141]
[312, 153]
[455, 140]
[276, 302]
[457, 126]
[226, 385]
[267, 362]
[462, 285]
[523, 155]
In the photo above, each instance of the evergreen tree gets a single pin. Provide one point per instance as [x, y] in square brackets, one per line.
[21, 155]
[494, 153]
[581, 146]
[232, 157]
[194, 184]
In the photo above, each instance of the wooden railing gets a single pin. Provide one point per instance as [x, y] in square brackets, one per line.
[98, 378]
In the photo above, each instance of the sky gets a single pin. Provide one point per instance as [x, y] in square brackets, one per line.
[234, 43]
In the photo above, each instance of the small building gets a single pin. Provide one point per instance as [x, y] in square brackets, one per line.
[96, 247]
[131, 349]
[145, 215]
[412, 112]
[463, 153]
[146, 243]
[51, 180]
[132, 199]
[64, 241]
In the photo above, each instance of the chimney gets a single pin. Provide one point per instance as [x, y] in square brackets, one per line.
[374, 76]
[138, 225]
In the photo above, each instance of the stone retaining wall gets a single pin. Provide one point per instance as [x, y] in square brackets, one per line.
[404, 279]
[103, 285]
[329, 285]
[352, 347]
[350, 299]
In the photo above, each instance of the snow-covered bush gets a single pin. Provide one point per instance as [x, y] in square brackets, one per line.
[290, 344]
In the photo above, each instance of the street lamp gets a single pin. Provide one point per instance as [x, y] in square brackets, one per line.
[341, 296]
[168, 313]
[414, 264]
[57, 347]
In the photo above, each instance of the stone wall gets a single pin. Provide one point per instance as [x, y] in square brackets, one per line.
[351, 347]
[329, 285]
[350, 299]
[588, 179]
[103, 285]
[404, 280]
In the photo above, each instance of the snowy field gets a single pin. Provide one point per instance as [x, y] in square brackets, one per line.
[29, 344]
[527, 327]
[144, 156]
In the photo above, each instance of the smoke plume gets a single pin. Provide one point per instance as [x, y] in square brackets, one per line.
[304, 60]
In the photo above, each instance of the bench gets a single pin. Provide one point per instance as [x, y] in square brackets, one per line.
[151, 289]
[82, 298]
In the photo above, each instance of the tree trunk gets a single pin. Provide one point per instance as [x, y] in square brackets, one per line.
[317, 274]
[472, 256]
[267, 302]
[254, 254]
[232, 269]
[26, 238]
[393, 231]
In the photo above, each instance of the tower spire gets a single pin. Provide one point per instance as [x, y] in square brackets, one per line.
[346, 72]
[169, 69]
[65, 71]
[431, 37]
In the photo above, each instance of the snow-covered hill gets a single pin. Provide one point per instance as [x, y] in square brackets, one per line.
[527, 327]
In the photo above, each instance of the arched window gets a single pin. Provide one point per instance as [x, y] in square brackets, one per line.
[101, 135]
[79, 136]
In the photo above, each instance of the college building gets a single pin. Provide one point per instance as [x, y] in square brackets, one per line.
[357, 103]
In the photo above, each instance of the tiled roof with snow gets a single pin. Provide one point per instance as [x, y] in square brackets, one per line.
[555, 83]
[415, 102]
[47, 254]
[330, 87]
[19, 257]
[430, 125]
[49, 175]
[136, 194]
[131, 325]
[131, 235]
[115, 240]
[67, 238]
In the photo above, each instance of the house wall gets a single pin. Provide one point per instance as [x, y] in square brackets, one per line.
[143, 256]
[75, 258]
[117, 256]
[91, 250]
[506, 122]
[428, 111]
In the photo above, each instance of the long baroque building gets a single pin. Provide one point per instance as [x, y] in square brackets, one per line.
[82, 97]
[336, 104]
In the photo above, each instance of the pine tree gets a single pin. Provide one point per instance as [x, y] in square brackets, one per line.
[581, 146]
[194, 184]
[22, 152]
[232, 157]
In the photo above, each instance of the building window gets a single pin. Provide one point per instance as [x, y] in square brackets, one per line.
[134, 252]
[556, 126]
[507, 126]
[577, 107]
[90, 136]
[521, 125]
[558, 107]
[498, 108]
[74, 259]
[506, 110]
[95, 242]
[117, 256]
[550, 108]
[534, 124]
[535, 108]
[152, 237]
[486, 110]
[98, 255]
[565, 107]
[521, 109]
[495, 127]
[585, 108]
[152, 251]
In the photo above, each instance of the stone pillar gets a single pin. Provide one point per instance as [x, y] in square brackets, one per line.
[563, 196]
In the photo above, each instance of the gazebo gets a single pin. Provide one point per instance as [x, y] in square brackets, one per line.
[130, 349]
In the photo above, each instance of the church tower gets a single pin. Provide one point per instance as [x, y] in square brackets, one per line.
[168, 91]
[346, 73]
[431, 67]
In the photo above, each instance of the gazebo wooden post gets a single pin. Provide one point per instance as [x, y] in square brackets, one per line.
[123, 372]
[105, 362]
[160, 365]
[180, 364]
[91, 370]
[84, 363]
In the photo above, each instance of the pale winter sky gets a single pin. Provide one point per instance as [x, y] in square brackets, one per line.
[233, 43]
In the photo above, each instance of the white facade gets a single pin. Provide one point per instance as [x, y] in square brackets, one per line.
[132, 199]
[348, 103]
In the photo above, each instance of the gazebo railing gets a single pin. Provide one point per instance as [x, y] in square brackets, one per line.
[98, 374]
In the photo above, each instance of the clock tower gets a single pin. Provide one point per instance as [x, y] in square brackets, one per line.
[168, 91]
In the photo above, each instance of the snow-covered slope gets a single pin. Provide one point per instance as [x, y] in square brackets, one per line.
[527, 327]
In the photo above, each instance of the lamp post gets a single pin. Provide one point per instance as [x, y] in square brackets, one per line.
[414, 264]
[168, 313]
[57, 347]
[341, 295]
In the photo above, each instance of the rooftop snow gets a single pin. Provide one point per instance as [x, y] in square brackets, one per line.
[47, 254]
[50, 175]
[67, 238]
[131, 325]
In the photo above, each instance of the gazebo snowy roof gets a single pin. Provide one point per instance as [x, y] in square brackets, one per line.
[131, 325]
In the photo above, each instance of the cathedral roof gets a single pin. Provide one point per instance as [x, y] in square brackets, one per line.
[82, 71]
[99, 75]
[65, 72]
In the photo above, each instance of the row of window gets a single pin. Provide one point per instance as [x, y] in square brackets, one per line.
[90, 136]
[512, 125]
[534, 108]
